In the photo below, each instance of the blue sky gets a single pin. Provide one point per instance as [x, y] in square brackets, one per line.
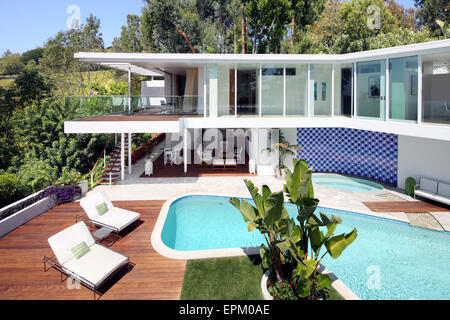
[27, 24]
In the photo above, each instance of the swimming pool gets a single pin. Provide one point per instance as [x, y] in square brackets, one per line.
[346, 183]
[388, 260]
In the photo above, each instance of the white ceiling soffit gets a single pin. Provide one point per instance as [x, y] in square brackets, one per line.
[430, 47]
[134, 69]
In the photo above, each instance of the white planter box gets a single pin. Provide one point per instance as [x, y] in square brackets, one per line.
[26, 214]
[84, 185]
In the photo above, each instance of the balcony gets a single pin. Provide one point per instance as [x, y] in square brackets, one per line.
[132, 108]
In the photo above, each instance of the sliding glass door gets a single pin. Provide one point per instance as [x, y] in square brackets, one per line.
[371, 89]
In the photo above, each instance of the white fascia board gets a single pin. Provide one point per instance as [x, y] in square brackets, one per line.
[399, 128]
[121, 126]
[189, 58]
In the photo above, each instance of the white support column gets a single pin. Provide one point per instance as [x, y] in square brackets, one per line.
[284, 90]
[235, 90]
[129, 153]
[419, 89]
[355, 90]
[332, 90]
[129, 89]
[309, 91]
[260, 91]
[205, 86]
[122, 156]
[185, 150]
[388, 94]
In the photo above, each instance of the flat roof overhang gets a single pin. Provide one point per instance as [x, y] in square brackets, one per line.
[154, 61]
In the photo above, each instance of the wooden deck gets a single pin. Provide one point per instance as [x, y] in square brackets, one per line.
[22, 273]
[404, 206]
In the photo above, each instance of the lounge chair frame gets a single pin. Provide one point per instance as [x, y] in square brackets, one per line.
[53, 263]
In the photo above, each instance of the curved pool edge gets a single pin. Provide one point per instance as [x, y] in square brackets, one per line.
[170, 253]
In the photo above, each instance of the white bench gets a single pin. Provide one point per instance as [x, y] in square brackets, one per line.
[434, 190]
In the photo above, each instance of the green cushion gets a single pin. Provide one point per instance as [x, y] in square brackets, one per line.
[102, 208]
[80, 250]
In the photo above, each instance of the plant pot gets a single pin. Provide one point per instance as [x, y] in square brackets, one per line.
[266, 294]
[84, 185]
[280, 173]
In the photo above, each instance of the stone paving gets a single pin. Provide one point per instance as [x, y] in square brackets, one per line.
[136, 188]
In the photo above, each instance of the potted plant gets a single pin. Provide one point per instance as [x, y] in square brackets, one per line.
[284, 149]
[292, 252]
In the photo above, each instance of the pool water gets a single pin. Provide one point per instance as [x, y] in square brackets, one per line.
[346, 183]
[388, 260]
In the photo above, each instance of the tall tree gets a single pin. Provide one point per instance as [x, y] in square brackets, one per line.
[430, 11]
[131, 36]
[304, 12]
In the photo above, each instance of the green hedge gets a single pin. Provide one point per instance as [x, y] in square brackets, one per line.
[11, 189]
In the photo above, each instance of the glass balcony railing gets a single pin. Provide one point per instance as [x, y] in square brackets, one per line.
[84, 107]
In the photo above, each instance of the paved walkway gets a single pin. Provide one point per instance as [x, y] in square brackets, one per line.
[136, 188]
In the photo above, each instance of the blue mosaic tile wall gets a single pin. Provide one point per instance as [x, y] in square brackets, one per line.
[340, 150]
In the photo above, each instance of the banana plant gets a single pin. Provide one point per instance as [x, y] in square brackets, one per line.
[270, 217]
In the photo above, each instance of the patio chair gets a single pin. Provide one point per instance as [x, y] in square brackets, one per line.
[103, 213]
[204, 157]
[77, 256]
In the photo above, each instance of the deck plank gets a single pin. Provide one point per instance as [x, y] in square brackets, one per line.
[404, 206]
[22, 273]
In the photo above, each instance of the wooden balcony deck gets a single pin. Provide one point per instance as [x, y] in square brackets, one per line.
[22, 273]
[404, 206]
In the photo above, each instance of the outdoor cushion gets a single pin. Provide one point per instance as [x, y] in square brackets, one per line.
[80, 250]
[90, 203]
[230, 162]
[218, 162]
[64, 241]
[96, 265]
[428, 185]
[444, 189]
[117, 217]
[102, 208]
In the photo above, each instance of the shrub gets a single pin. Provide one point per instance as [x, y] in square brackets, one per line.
[70, 177]
[410, 183]
[63, 194]
[11, 189]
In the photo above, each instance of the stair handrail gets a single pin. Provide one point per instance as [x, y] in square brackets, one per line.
[99, 157]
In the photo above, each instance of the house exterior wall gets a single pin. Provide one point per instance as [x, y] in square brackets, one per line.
[418, 157]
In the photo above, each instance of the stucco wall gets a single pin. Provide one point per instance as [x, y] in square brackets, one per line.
[418, 157]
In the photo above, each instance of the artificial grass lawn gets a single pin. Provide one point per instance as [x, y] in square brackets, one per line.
[237, 278]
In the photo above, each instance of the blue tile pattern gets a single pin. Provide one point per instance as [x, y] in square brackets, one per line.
[341, 150]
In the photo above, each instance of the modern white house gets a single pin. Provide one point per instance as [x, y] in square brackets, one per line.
[382, 114]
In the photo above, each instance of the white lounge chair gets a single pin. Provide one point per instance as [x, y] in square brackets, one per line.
[433, 190]
[79, 257]
[114, 218]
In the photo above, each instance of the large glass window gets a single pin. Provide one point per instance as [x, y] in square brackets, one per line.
[371, 89]
[435, 88]
[272, 89]
[248, 89]
[320, 88]
[296, 89]
[403, 82]
[343, 89]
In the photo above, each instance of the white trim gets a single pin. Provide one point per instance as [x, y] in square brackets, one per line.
[113, 59]
[122, 156]
[419, 90]
[355, 93]
[387, 99]
[260, 90]
[332, 90]
[185, 151]
[129, 153]
[205, 85]
[284, 90]
[308, 114]
[235, 90]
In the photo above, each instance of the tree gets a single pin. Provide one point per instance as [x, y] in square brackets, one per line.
[364, 19]
[304, 12]
[10, 64]
[429, 11]
[131, 36]
[267, 21]
[32, 55]
[32, 85]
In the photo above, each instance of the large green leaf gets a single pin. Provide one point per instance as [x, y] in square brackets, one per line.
[305, 269]
[316, 238]
[257, 198]
[336, 245]
[274, 205]
[322, 281]
[249, 213]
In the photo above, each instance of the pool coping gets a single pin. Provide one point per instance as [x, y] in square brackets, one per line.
[170, 253]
